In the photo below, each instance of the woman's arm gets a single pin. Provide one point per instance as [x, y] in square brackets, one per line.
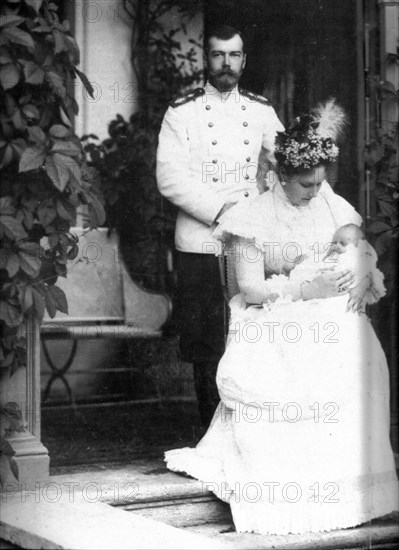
[250, 273]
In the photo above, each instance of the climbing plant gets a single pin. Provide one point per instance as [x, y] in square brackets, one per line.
[44, 173]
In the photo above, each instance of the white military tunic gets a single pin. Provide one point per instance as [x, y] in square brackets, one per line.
[208, 153]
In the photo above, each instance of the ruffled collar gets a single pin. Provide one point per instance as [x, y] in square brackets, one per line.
[281, 197]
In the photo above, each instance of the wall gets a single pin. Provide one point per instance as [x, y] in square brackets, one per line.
[103, 32]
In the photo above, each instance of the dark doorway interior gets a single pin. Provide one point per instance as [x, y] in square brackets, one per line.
[300, 52]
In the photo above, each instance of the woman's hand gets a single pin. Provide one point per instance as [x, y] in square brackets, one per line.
[327, 285]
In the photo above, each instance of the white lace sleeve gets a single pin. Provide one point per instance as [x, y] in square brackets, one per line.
[251, 280]
[242, 220]
[368, 266]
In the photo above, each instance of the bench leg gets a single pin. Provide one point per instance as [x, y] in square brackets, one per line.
[59, 372]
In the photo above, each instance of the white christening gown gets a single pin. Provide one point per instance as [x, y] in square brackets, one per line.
[300, 440]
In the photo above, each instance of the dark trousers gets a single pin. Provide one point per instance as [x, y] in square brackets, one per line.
[200, 319]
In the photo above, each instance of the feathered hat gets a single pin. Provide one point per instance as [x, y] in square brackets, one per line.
[330, 120]
[311, 139]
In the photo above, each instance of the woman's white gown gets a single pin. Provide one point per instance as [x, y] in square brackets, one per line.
[300, 440]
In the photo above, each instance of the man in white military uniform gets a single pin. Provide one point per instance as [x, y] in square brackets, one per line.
[209, 147]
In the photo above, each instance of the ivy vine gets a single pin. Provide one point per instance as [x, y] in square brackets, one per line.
[45, 176]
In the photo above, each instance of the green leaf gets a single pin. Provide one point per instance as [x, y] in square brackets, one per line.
[26, 298]
[12, 228]
[18, 145]
[96, 212]
[65, 210]
[30, 264]
[7, 157]
[73, 49]
[59, 131]
[35, 4]
[387, 87]
[59, 298]
[10, 314]
[32, 248]
[386, 208]
[11, 20]
[66, 148]
[18, 36]
[5, 57]
[56, 83]
[6, 206]
[57, 170]
[59, 44]
[33, 73]
[51, 304]
[378, 226]
[64, 117]
[53, 240]
[85, 81]
[383, 242]
[13, 265]
[7, 361]
[46, 214]
[37, 136]
[38, 303]
[32, 159]
[9, 76]
[18, 121]
[31, 112]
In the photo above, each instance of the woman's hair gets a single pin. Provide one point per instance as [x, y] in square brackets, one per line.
[311, 139]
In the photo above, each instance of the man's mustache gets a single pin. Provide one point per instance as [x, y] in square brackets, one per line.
[228, 72]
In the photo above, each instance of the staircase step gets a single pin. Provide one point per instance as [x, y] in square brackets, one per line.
[147, 489]
[185, 512]
[379, 535]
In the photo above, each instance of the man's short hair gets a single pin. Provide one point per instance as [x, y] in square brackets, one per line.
[223, 32]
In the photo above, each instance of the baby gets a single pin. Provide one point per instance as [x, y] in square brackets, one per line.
[349, 250]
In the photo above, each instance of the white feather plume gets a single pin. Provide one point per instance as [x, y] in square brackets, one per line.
[332, 120]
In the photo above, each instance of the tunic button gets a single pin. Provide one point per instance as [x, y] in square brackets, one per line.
[246, 141]
[215, 179]
[207, 107]
[215, 161]
[210, 124]
[214, 142]
[243, 107]
[247, 177]
[246, 194]
[245, 124]
[248, 159]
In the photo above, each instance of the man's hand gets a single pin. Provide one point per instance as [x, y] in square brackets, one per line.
[225, 207]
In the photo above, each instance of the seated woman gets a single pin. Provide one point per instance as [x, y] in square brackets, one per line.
[300, 441]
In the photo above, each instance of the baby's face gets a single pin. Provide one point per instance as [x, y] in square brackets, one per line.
[336, 247]
[348, 234]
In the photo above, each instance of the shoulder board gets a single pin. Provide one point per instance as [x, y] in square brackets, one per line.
[254, 97]
[189, 96]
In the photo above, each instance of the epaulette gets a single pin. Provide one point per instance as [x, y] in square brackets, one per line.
[254, 97]
[189, 96]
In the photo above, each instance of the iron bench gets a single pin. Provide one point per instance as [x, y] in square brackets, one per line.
[103, 302]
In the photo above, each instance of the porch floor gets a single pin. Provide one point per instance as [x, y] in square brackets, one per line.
[177, 509]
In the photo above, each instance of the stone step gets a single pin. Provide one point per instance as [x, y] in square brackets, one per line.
[185, 512]
[379, 535]
[147, 489]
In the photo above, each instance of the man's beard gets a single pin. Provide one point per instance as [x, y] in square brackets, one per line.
[224, 80]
